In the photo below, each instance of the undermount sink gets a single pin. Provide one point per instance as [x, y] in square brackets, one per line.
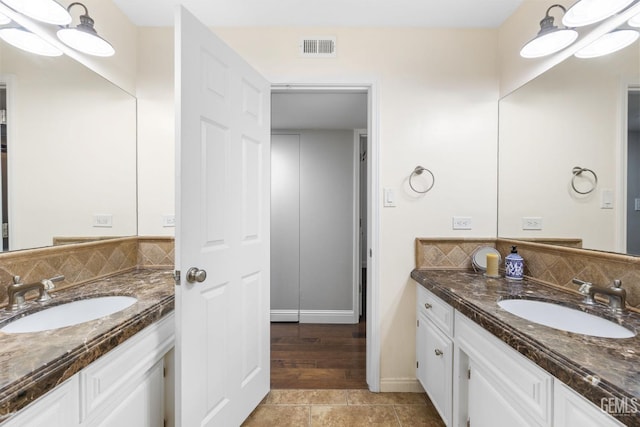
[69, 314]
[565, 318]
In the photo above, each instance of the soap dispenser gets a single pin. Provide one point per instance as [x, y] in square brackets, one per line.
[514, 265]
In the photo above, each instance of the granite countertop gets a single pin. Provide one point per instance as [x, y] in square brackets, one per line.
[31, 364]
[594, 367]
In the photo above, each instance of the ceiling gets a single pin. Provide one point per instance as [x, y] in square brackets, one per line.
[352, 13]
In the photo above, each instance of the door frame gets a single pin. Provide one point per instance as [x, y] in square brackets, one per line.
[373, 211]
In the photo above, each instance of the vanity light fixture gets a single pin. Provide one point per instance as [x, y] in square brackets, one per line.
[26, 40]
[634, 21]
[49, 11]
[84, 37]
[608, 43]
[550, 38]
[4, 20]
[586, 12]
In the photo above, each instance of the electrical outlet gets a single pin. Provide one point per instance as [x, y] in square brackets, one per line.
[532, 223]
[462, 223]
[103, 220]
[168, 220]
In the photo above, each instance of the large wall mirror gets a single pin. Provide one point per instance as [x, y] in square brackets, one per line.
[69, 152]
[581, 113]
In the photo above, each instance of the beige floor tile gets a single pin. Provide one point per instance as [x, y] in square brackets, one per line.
[354, 416]
[281, 416]
[365, 397]
[306, 397]
[418, 415]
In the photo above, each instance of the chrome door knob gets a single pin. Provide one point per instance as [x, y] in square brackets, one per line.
[196, 275]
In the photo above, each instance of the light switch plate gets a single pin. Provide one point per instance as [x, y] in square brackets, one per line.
[389, 198]
[607, 199]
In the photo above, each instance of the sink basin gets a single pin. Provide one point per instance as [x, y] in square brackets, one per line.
[71, 313]
[565, 318]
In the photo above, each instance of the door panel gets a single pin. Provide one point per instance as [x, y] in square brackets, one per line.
[222, 227]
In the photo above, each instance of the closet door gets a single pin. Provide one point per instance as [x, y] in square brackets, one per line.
[285, 227]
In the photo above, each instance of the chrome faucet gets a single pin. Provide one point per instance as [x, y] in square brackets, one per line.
[17, 290]
[617, 296]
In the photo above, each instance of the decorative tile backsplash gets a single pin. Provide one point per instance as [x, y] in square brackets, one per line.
[552, 264]
[84, 262]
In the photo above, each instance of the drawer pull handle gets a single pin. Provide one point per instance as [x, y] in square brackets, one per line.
[438, 352]
[427, 305]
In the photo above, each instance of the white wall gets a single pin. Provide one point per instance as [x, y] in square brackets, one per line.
[156, 131]
[438, 92]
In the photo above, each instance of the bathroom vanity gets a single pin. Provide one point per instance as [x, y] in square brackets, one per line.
[112, 371]
[482, 365]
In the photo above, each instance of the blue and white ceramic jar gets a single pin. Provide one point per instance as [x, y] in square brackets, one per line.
[514, 265]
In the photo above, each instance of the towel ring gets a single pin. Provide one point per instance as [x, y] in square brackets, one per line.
[577, 171]
[418, 171]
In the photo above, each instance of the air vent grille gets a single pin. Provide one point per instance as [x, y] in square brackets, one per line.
[318, 47]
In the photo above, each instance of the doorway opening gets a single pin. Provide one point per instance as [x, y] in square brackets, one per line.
[320, 215]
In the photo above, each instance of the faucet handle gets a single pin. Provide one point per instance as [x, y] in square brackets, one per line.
[16, 280]
[617, 283]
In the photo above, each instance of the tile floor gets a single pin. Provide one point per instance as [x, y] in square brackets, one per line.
[352, 408]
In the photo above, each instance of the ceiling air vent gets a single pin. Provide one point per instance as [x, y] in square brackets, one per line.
[318, 47]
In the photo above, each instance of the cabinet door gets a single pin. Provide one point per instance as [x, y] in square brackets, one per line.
[573, 410]
[58, 408]
[487, 406]
[143, 406]
[435, 366]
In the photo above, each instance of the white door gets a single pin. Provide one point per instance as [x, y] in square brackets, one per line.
[222, 220]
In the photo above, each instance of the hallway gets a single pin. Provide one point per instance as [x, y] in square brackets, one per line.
[318, 356]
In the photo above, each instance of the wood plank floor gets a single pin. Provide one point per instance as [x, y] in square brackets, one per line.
[314, 356]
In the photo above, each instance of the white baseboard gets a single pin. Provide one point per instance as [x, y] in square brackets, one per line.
[314, 316]
[407, 385]
[328, 316]
[284, 315]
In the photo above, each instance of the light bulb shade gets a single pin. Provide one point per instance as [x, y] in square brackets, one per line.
[608, 43]
[548, 43]
[586, 12]
[85, 41]
[26, 40]
[49, 11]
[4, 20]
[635, 21]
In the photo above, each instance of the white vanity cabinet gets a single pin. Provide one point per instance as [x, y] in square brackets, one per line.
[502, 387]
[125, 387]
[475, 379]
[434, 351]
[572, 410]
[58, 408]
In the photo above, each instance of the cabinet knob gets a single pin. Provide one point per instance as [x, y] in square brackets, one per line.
[438, 352]
[427, 305]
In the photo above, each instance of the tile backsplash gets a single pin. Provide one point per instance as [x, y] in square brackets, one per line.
[551, 264]
[84, 262]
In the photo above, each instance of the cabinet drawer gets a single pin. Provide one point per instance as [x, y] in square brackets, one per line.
[436, 310]
[114, 373]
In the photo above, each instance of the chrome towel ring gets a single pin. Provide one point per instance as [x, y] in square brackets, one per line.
[418, 171]
[577, 171]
